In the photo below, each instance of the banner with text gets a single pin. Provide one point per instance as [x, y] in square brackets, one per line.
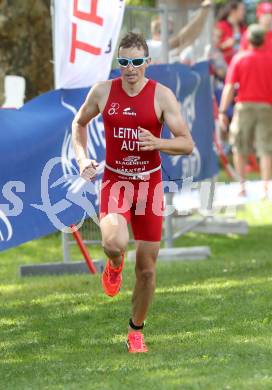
[85, 37]
[40, 188]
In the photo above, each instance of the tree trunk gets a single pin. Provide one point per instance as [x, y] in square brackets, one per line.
[26, 44]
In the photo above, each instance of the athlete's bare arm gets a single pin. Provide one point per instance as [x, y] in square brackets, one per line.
[93, 105]
[167, 108]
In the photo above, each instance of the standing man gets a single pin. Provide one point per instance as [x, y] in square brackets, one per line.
[134, 109]
[252, 121]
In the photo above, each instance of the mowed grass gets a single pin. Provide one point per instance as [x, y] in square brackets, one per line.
[210, 326]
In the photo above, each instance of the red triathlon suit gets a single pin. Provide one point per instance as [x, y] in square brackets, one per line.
[132, 180]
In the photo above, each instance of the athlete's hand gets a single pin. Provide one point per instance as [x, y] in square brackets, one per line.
[147, 140]
[87, 168]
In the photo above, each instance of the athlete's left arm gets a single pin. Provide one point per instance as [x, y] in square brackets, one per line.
[182, 142]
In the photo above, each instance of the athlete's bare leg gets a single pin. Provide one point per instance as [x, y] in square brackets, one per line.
[115, 237]
[240, 166]
[266, 168]
[146, 255]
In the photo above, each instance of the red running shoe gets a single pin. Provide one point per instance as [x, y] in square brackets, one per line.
[112, 278]
[135, 342]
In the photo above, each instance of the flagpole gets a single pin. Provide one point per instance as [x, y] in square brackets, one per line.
[64, 236]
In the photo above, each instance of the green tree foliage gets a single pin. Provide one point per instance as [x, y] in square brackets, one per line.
[148, 3]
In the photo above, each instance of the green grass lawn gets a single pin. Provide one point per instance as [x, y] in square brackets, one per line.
[210, 326]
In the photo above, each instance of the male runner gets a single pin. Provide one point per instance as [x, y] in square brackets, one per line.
[133, 109]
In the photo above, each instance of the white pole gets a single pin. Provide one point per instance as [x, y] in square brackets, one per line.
[64, 236]
[165, 58]
[164, 33]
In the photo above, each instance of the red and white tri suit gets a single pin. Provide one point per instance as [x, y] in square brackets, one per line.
[132, 180]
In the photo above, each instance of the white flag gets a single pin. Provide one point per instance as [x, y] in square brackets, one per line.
[85, 37]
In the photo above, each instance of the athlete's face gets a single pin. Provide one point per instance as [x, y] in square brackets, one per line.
[131, 74]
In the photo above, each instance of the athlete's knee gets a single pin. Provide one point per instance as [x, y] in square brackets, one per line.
[146, 275]
[146, 256]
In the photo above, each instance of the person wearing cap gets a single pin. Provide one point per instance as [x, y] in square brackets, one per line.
[251, 126]
[264, 17]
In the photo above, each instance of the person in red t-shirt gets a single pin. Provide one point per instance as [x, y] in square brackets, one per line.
[252, 121]
[229, 28]
[134, 109]
[264, 17]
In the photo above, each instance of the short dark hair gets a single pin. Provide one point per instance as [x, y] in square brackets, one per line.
[132, 39]
[256, 35]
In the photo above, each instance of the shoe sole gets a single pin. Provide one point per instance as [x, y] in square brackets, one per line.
[127, 345]
[106, 293]
[109, 295]
[104, 289]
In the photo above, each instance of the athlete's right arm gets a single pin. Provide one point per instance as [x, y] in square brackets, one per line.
[87, 112]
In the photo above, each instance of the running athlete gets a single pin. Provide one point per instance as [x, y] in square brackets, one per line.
[134, 109]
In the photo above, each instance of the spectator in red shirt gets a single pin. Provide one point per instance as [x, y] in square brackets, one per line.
[264, 17]
[251, 125]
[229, 28]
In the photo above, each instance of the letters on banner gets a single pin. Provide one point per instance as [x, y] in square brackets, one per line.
[40, 187]
[85, 37]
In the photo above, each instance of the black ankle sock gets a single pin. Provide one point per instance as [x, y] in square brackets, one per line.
[135, 327]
